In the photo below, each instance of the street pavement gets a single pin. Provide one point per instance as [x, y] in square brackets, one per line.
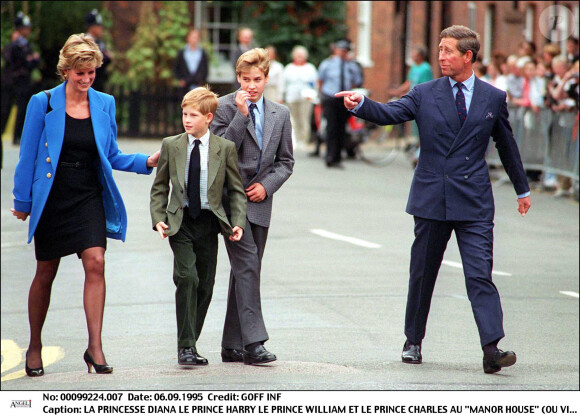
[334, 306]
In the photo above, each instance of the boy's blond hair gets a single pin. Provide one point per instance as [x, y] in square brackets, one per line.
[257, 57]
[202, 99]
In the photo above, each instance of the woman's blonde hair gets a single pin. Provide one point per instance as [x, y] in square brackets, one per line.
[256, 57]
[79, 51]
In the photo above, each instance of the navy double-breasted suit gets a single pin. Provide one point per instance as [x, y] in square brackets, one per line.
[451, 191]
[40, 147]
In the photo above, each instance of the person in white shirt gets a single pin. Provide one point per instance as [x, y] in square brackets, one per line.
[299, 79]
[273, 90]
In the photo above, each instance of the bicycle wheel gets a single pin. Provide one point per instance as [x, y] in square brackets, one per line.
[381, 146]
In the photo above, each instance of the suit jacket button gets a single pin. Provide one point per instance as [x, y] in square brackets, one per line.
[49, 175]
[47, 160]
[46, 144]
[466, 176]
[466, 157]
[446, 176]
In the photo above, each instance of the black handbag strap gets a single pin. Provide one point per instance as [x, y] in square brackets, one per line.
[48, 107]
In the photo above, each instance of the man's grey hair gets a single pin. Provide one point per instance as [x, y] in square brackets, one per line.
[468, 40]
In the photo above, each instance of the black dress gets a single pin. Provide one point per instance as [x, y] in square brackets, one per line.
[73, 218]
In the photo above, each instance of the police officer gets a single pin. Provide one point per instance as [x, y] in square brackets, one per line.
[94, 24]
[20, 59]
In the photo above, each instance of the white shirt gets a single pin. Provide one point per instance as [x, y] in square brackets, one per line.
[204, 163]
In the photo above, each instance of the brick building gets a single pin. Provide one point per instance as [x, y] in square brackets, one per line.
[385, 31]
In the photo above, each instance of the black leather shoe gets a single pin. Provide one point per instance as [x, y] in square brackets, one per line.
[33, 372]
[258, 355]
[232, 356]
[412, 354]
[492, 363]
[188, 356]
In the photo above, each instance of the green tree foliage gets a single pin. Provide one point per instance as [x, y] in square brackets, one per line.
[160, 34]
[284, 24]
[52, 23]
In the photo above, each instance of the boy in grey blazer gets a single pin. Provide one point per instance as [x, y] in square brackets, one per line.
[262, 133]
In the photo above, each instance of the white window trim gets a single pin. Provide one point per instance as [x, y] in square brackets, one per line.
[364, 36]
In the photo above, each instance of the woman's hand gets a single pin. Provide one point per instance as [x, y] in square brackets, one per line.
[20, 215]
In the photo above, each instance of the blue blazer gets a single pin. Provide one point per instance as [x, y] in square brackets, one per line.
[40, 148]
[451, 181]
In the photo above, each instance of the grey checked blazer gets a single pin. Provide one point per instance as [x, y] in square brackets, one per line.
[277, 153]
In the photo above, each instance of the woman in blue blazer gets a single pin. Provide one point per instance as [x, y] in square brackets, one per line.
[64, 182]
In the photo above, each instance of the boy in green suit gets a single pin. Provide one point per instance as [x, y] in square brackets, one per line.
[198, 165]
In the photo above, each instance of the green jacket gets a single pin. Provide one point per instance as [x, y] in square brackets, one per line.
[222, 173]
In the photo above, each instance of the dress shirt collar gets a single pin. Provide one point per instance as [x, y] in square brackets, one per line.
[468, 83]
[204, 139]
[259, 104]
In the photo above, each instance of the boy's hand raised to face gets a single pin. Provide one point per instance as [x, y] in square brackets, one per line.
[241, 103]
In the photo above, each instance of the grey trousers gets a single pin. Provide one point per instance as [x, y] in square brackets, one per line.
[244, 323]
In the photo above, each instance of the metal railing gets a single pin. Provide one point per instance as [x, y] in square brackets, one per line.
[153, 112]
[547, 140]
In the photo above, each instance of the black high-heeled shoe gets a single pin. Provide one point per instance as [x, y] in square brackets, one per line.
[99, 368]
[33, 372]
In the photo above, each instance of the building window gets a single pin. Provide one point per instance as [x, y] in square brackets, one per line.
[529, 29]
[218, 22]
[471, 8]
[488, 33]
[363, 47]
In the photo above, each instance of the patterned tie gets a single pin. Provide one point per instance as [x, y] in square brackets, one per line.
[253, 106]
[193, 181]
[460, 103]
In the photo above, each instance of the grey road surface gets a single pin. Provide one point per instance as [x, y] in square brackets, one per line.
[334, 289]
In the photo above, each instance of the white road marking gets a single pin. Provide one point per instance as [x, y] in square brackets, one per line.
[460, 266]
[568, 293]
[338, 237]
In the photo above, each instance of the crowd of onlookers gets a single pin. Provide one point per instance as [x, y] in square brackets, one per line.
[536, 80]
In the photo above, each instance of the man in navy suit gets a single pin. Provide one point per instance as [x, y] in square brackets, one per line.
[451, 189]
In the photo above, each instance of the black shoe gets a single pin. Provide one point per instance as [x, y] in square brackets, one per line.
[316, 153]
[334, 165]
[232, 356]
[258, 355]
[412, 354]
[33, 372]
[99, 368]
[188, 356]
[493, 362]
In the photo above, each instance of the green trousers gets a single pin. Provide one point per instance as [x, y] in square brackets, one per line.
[195, 248]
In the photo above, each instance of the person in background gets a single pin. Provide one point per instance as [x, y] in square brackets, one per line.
[495, 77]
[572, 49]
[527, 48]
[515, 82]
[94, 24]
[298, 86]
[273, 90]
[335, 74]
[549, 52]
[419, 73]
[64, 182]
[19, 60]
[191, 67]
[558, 89]
[245, 40]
